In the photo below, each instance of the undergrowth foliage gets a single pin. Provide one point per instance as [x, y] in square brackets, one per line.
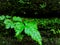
[30, 27]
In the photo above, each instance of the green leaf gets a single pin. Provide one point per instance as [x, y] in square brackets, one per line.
[43, 5]
[21, 1]
[8, 24]
[17, 18]
[7, 16]
[18, 27]
[31, 30]
[2, 17]
[54, 32]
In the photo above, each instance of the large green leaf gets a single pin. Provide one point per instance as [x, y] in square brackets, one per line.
[31, 30]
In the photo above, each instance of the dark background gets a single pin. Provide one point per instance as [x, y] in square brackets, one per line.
[30, 7]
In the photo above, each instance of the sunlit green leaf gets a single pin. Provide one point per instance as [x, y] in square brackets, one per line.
[18, 27]
[31, 30]
[8, 23]
[17, 18]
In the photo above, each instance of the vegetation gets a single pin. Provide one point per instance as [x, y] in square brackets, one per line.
[30, 26]
[35, 19]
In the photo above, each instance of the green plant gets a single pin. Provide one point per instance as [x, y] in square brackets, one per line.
[32, 30]
[29, 27]
[2, 17]
[43, 5]
[21, 1]
[55, 31]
